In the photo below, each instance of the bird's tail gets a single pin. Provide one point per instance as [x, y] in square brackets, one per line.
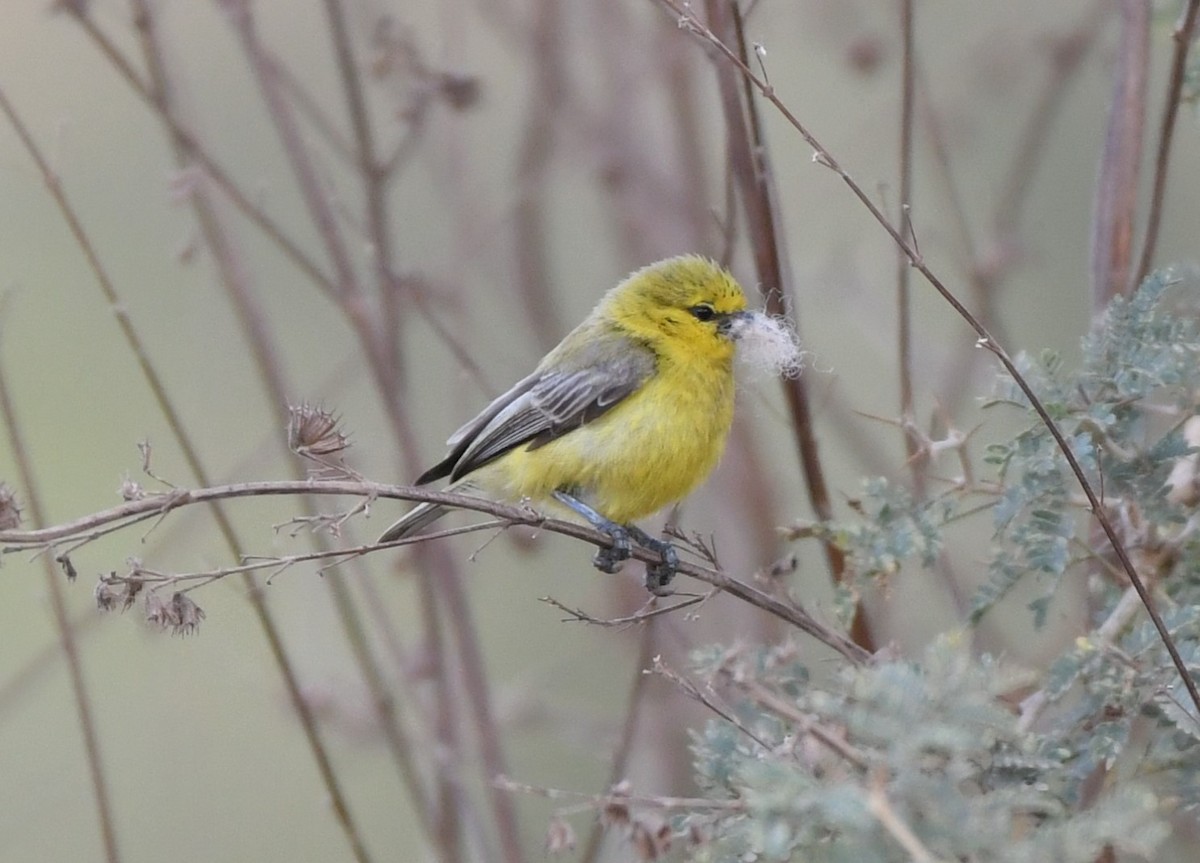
[421, 516]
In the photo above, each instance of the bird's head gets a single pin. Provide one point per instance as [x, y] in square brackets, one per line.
[684, 306]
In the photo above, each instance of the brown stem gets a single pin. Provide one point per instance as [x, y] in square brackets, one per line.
[903, 300]
[1116, 186]
[752, 169]
[1184, 33]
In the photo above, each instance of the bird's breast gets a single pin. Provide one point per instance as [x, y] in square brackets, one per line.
[647, 452]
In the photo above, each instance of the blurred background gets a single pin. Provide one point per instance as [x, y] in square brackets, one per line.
[527, 155]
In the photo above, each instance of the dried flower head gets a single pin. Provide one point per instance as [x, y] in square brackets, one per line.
[181, 614]
[10, 513]
[313, 431]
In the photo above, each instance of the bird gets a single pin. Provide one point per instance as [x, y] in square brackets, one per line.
[625, 416]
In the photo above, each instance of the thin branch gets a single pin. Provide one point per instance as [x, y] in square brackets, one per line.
[133, 511]
[689, 688]
[600, 801]
[879, 806]
[985, 340]
[1184, 33]
[789, 711]
[903, 292]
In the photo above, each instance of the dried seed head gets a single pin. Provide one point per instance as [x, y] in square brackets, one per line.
[10, 513]
[312, 431]
[187, 613]
[181, 615]
[157, 611]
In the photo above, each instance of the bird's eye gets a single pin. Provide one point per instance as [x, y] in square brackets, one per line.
[703, 312]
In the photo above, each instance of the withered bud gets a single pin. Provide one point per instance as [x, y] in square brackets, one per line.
[147, 452]
[614, 814]
[132, 589]
[112, 591]
[130, 490]
[10, 513]
[560, 836]
[68, 568]
[312, 431]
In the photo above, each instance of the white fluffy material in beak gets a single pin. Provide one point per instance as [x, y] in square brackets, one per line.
[768, 344]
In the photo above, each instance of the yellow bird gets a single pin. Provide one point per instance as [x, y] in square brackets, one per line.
[628, 414]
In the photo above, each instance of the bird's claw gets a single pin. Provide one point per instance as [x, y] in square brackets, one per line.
[659, 575]
[609, 559]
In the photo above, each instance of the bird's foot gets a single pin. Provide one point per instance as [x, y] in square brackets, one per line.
[610, 559]
[658, 575]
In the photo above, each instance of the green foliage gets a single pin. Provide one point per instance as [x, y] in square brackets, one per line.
[1119, 413]
[924, 757]
[952, 756]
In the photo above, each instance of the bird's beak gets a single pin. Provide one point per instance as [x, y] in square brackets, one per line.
[733, 325]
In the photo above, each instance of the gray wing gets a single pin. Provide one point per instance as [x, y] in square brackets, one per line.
[547, 404]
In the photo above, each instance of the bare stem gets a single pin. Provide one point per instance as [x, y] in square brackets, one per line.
[1183, 35]
[903, 293]
[134, 511]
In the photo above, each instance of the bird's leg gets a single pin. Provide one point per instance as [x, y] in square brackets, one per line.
[606, 559]
[658, 575]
